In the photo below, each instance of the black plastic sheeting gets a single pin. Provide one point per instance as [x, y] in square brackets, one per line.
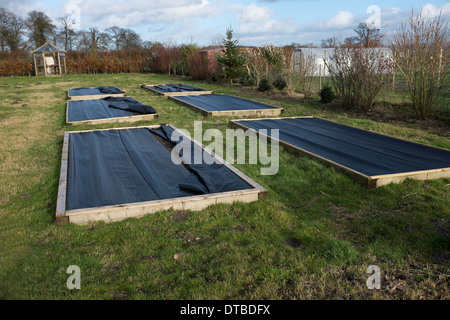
[109, 107]
[113, 167]
[363, 151]
[94, 91]
[222, 102]
[165, 88]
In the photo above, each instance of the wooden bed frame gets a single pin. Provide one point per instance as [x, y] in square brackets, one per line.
[370, 182]
[240, 113]
[135, 118]
[136, 210]
[151, 87]
[92, 97]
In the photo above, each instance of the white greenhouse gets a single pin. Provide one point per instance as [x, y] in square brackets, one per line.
[323, 57]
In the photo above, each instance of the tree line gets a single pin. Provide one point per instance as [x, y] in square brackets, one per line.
[26, 34]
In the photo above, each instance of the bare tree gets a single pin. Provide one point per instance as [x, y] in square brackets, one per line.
[11, 30]
[14, 32]
[93, 37]
[329, 43]
[299, 73]
[83, 43]
[122, 38]
[131, 40]
[40, 27]
[116, 35]
[148, 45]
[66, 32]
[303, 45]
[103, 42]
[423, 59]
[368, 37]
[350, 42]
[4, 24]
[358, 74]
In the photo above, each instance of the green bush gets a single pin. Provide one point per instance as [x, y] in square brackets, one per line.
[264, 85]
[326, 94]
[246, 80]
[280, 83]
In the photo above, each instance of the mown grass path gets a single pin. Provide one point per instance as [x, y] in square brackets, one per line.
[312, 238]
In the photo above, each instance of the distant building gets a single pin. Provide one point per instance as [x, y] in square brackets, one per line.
[323, 57]
[49, 60]
[209, 56]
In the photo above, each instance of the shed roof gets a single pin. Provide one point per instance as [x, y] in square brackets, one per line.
[48, 47]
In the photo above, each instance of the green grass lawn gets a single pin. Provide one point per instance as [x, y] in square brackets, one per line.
[312, 238]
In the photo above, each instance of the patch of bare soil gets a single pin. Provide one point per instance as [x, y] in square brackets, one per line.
[397, 114]
[180, 216]
[438, 123]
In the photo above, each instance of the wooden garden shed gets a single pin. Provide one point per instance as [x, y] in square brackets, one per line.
[49, 60]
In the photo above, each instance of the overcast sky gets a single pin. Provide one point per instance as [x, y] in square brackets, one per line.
[254, 22]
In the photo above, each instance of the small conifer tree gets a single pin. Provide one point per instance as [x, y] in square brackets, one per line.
[232, 61]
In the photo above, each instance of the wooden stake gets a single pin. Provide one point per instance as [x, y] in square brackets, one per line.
[35, 65]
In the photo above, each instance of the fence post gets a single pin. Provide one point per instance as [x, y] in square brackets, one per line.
[393, 73]
[440, 66]
[320, 77]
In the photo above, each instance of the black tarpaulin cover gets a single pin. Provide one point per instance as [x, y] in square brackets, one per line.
[223, 102]
[129, 104]
[109, 90]
[363, 151]
[176, 88]
[109, 107]
[94, 91]
[110, 167]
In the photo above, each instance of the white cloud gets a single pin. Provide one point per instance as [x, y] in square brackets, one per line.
[129, 13]
[21, 8]
[269, 27]
[433, 11]
[343, 19]
[252, 13]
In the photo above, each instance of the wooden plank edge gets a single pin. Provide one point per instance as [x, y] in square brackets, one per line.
[155, 126]
[443, 171]
[135, 118]
[190, 93]
[251, 112]
[138, 210]
[277, 118]
[168, 94]
[94, 97]
[423, 175]
[62, 186]
[166, 203]
[67, 112]
[91, 97]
